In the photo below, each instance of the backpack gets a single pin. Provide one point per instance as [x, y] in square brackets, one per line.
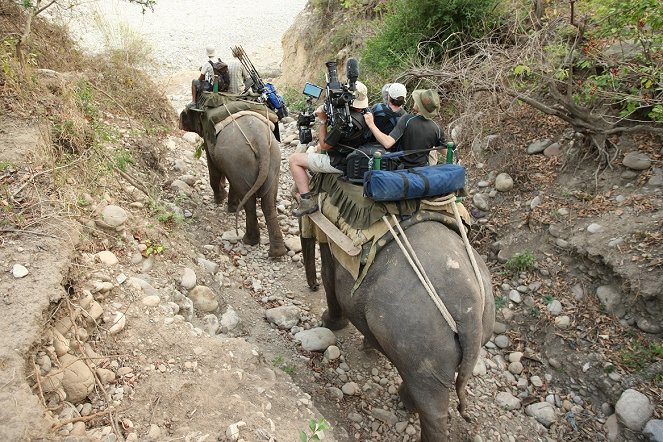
[385, 118]
[221, 72]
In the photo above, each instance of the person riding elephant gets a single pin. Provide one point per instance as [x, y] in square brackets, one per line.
[242, 148]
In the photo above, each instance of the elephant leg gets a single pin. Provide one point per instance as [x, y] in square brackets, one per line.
[233, 200]
[433, 409]
[308, 256]
[333, 317]
[217, 181]
[276, 243]
[252, 235]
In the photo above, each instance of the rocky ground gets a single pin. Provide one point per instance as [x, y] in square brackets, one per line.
[166, 326]
[137, 314]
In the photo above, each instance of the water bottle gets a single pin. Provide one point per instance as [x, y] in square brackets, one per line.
[377, 160]
[450, 152]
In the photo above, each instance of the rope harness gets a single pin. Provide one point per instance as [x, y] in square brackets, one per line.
[411, 257]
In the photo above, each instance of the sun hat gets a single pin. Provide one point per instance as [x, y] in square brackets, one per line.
[427, 101]
[397, 90]
[211, 52]
[361, 96]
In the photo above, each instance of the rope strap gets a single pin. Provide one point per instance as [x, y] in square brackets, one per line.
[451, 199]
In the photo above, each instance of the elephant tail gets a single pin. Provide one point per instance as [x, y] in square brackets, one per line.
[262, 152]
[470, 334]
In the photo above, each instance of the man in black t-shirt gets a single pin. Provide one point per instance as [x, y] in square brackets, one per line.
[415, 132]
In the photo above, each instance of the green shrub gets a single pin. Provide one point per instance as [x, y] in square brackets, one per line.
[520, 262]
[411, 26]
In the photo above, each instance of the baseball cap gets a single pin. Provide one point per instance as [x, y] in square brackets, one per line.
[397, 90]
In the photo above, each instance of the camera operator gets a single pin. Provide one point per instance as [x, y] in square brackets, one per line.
[333, 160]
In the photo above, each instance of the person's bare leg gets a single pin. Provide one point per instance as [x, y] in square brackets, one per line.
[193, 90]
[298, 164]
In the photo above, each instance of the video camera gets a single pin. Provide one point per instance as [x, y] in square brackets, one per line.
[307, 118]
[339, 97]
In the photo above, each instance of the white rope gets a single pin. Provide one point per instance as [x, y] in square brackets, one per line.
[451, 199]
[418, 269]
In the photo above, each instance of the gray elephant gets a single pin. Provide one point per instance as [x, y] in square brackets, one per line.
[393, 311]
[246, 152]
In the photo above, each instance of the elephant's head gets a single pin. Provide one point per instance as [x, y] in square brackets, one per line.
[191, 120]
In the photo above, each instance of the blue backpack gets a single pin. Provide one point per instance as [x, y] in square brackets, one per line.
[385, 118]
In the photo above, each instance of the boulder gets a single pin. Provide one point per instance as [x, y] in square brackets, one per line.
[637, 161]
[316, 339]
[634, 409]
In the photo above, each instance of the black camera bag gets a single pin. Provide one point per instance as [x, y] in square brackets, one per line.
[357, 162]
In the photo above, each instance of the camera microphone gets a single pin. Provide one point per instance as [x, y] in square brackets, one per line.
[352, 71]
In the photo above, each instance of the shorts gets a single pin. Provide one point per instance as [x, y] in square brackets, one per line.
[320, 162]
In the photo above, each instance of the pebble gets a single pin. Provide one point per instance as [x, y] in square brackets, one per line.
[507, 401]
[595, 228]
[151, 301]
[543, 412]
[107, 258]
[114, 216]
[332, 353]
[19, 271]
[555, 307]
[514, 295]
[119, 322]
[351, 388]
[636, 161]
[188, 280]
[502, 341]
[316, 339]
[503, 182]
[204, 299]
[562, 322]
[284, 317]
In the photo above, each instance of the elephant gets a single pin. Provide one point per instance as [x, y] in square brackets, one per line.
[396, 315]
[246, 152]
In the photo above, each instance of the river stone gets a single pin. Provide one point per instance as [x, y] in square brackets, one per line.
[229, 320]
[211, 324]
[479, 368]
[553, 150]
[208, 265]
[562, 322]
[332, 353]
[514, 295]
[634, 409]
[385, 416]
[284, 317]
[294, 243]
[503, 182]
[19, 271]
[151, 300]
[316, 339]
[611, 427]
[182, 187]
[555, 308]
[636, 161]
[232, 235]
[611, 299]
[543, 412]
[656, 179]
[648, 326]
[516, 367]
[119, 321]
[107, 258]
[52, 382]
[654, 430]
[350, 388]
[191, 137]
[188, 280]
[204, 299]
[78, 379]
[480, 202]
[595, 228]
[507, 401]
[538, 146]
[105, 376]
[114, 216]
[502, 341]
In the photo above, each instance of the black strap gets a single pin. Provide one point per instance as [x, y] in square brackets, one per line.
[406, 185]
[424, 178]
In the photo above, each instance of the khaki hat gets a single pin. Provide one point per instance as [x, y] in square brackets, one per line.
[211, 52]
[361, 96]
[427, 101]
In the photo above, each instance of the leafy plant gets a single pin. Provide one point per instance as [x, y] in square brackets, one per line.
[122, 159]
[520, 262]
[413, 27]
[548, 299]
[6, 165]
[153, 248]
[500, 302]
[535, 312]
[316, 429]
[279, 362]
[639, 354]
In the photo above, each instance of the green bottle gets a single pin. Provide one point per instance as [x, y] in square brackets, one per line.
[377, 160]
[450, 152]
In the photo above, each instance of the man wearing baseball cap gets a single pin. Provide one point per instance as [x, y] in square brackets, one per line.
[387, 114]
[416, 132]
[334, 159]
